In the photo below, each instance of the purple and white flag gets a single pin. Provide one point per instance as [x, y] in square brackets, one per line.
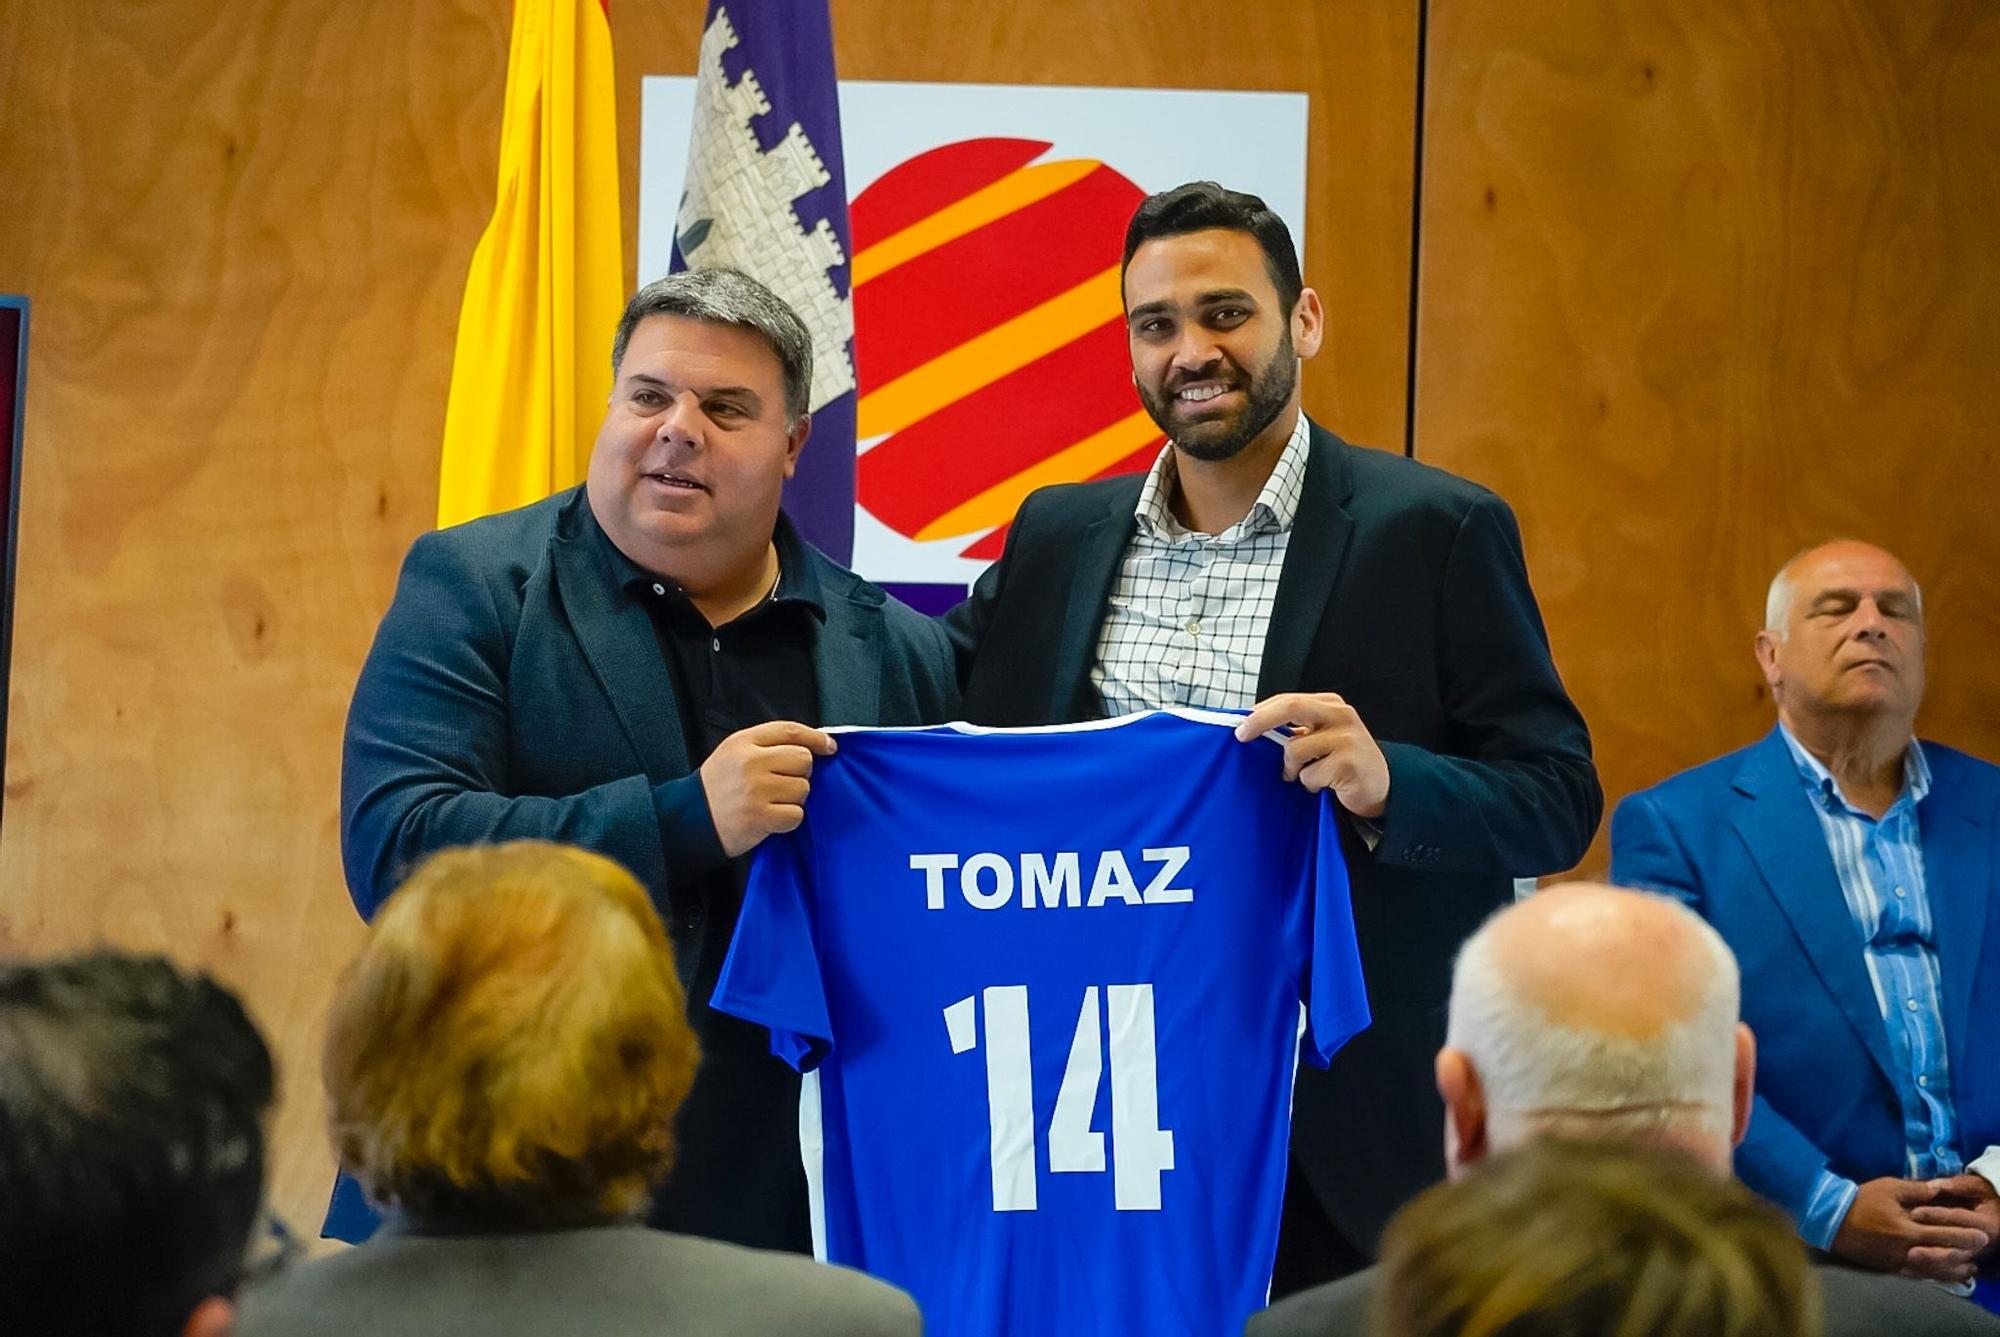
[766, 193]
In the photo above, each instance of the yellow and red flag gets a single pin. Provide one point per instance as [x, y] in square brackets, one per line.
[531, 372]
[986, 279]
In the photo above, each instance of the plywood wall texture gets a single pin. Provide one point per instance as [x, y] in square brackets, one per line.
[1700, 284]
[245, 229]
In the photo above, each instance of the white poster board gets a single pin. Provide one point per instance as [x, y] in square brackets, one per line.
[1142, 140]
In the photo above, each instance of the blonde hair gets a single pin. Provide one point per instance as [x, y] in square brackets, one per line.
[512, 1041]
[1593, 1240]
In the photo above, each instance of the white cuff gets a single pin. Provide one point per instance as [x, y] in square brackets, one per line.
[1367, 828]
[1988, 1167]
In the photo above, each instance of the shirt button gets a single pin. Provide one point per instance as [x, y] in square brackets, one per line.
[716, 645]
[1899, 891]
[1910, 1003]
[1194, 626]
[1923, 1081]
[659, 589]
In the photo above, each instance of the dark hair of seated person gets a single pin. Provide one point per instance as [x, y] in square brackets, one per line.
[132, 1106]
[510, 1047]
[1593, 1240]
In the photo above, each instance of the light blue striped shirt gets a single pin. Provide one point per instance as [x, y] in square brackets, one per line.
[1880, 864]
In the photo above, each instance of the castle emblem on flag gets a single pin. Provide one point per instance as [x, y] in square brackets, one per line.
[737, 209]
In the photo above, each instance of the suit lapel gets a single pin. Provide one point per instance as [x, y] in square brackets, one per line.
[1313, 556]
[1775, 821]
[617, 639]
[1958, 882]
[847, 657]
[1099, 547]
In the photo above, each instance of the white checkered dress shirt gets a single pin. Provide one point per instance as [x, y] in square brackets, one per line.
[1189, 612]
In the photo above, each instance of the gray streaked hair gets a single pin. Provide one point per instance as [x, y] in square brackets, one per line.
[1541, 1077]
[728, 297]
[1778, 598]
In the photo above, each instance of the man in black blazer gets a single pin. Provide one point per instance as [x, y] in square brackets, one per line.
[1378, 607]
[641, 666]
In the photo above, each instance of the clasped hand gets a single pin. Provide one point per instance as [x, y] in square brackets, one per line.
[1939, 1229]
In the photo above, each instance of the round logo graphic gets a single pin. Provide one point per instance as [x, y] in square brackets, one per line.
[990, 337]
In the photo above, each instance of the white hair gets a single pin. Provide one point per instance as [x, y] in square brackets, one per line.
[1544, 1077]
[1778, 598]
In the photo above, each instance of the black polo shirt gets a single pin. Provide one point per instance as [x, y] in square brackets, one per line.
[738, 1175]
[753, 669]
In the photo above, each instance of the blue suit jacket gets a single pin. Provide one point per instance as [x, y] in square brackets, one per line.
[1738, 840]
[514, 690]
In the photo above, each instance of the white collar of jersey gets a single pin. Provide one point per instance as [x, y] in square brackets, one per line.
[1224, 718]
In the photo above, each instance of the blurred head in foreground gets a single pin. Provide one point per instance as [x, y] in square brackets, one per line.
[1598, 1239]
[132, 1104]
[1588, 1012]
[511, 1046]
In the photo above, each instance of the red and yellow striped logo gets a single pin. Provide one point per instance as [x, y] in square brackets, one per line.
[990, 336]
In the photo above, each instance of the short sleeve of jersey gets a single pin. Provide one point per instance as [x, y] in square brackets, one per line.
[1336, 995]
[772, 975]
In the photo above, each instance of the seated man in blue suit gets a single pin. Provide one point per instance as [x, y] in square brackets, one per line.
[1852, 869]
[642, 666]
[1591, 1015]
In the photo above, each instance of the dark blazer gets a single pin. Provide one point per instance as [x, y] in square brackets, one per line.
[516, 690]
[1856, 1304]
[1405, 590]
[1737, 839]
[611, 1281]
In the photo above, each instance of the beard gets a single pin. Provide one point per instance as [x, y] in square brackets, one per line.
[1269, 390]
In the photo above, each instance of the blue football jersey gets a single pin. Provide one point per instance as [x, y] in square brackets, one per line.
[1049, 984]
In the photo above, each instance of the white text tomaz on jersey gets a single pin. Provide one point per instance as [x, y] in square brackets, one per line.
[1052, 881]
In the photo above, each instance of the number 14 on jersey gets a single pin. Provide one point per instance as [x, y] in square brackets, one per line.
[1142, 1149]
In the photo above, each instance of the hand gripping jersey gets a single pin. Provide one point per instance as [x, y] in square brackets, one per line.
[1050, 983]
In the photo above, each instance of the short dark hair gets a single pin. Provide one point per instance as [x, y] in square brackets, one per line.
[1201, 205]
[132, 1099]
[728, 297]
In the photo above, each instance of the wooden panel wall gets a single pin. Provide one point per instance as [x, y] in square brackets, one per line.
[246, 235]
[1701, 284]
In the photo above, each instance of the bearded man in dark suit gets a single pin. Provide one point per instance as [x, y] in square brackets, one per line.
[1377, 608]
